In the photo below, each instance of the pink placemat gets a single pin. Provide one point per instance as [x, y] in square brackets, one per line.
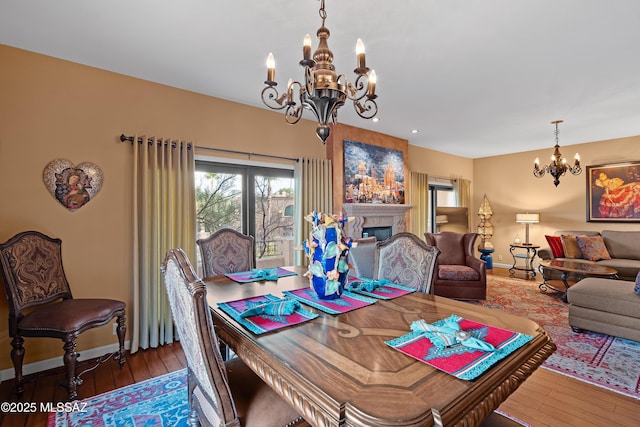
[462, 362]
[257, 274]
[348, 301]
[385, 291]
[263, 323]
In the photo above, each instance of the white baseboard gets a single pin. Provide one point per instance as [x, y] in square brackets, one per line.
[507, 266]
[56, 362]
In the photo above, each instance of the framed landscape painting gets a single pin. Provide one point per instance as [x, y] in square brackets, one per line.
[613, 192]
[373, 174]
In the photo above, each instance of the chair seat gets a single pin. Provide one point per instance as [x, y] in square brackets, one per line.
[257, 404]
[68, 316]
[457, 272]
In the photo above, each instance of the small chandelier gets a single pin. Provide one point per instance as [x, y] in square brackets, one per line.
[558, 165]
[323, 91]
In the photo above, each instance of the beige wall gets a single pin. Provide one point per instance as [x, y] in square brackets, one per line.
[440, 164]
[511, 188]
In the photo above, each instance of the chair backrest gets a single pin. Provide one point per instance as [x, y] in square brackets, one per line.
[362, 258]
[187, 296]
[406, 260]
[32, 273]
[454, 247]
[227, 251]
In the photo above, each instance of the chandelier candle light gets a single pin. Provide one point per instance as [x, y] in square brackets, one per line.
[323, 91]
[558, 165]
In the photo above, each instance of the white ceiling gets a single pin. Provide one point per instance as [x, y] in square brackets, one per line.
[475, 77]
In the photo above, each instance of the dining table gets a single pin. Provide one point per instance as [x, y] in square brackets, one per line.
[338, 370]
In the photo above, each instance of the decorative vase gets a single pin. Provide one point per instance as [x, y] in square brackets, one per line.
[326, 250]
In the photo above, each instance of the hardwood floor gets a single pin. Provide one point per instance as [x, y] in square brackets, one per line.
[545, 399]
[44, 387]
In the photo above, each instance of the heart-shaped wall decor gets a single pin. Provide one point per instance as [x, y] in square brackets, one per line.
[72, 185]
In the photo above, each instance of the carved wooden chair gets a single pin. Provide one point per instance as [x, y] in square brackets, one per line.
[220, 393]
[406, 260]
[227, 251]
[41, 304]
[459, 273]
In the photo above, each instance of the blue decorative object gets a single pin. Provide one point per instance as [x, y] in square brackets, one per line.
[327, 251]
[486, 257]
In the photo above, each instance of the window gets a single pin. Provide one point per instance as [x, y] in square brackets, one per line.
[254, 200]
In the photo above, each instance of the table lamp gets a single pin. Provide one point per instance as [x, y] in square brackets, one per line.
[526, 219]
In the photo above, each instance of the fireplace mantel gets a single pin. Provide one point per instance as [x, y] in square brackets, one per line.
[363, 215]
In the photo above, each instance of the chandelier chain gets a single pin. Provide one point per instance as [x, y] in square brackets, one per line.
[322, 12]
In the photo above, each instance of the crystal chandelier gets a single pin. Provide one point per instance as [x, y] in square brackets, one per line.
[323, 91]
[558, 165]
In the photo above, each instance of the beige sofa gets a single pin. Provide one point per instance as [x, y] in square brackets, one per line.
[606, 306]
[623, 247]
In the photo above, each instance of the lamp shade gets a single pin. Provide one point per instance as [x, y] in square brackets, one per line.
[528, 218]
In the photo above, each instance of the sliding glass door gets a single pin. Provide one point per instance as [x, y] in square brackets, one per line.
[254, 200]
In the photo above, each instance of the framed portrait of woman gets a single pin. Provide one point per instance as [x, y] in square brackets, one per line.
[613, 192]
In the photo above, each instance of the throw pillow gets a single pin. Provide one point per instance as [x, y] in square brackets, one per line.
[555, 243]
[570, 246]
[592, 247]
[636, 288]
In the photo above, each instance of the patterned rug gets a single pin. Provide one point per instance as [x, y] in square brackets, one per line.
[598, 359]
[158, 402]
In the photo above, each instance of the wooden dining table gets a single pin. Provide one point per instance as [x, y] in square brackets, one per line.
[336, 370]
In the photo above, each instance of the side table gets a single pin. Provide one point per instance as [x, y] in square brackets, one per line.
[526, 254]
[486, 257]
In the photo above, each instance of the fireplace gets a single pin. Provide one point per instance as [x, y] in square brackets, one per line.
[375, 216]
[380, 233]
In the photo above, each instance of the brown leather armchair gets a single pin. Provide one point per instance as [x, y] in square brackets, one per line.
[459, 273]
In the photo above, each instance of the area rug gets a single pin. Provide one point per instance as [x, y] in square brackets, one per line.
[602, 360]
[158, 402]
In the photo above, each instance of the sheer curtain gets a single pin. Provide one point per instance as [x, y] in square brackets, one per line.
[313, 180]
[163, 218]
[419, 201]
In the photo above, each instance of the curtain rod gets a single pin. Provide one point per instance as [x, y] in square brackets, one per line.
[444, 178]
[124, 138]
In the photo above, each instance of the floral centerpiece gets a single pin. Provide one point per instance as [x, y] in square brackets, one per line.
[327, 249]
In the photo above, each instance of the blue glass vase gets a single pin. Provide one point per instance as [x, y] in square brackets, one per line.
[327, 255]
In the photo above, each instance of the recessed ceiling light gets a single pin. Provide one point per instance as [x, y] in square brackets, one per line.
[415, 131]
[375, 120]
